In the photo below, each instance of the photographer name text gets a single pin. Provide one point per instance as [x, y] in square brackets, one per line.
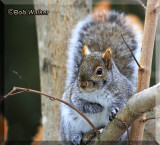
[28, 12]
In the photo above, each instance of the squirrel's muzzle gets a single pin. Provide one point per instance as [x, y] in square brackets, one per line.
[83, 85]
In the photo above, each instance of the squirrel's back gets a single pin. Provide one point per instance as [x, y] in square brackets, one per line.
[100, 32]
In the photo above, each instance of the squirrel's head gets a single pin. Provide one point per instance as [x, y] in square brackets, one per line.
[94, 70]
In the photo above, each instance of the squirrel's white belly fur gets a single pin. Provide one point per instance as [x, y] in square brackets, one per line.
[102, 97]
[81, 125]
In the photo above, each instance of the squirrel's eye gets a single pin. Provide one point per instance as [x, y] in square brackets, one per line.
[99, 71]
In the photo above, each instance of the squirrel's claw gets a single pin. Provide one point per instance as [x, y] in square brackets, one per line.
[113, 113]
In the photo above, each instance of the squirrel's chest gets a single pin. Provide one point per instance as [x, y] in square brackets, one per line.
[103, 97]
[106, 100]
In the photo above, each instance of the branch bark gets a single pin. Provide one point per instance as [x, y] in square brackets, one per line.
[135, 107]
[145, 63]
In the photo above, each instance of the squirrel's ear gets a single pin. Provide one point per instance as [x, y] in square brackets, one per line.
[107, 57]
[85, 51]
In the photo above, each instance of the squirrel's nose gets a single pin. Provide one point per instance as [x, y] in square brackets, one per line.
[83, 85]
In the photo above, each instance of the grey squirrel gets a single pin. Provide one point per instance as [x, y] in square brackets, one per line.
[101, 73]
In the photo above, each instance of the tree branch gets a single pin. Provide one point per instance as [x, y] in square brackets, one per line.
[135, 107]
[145, 62]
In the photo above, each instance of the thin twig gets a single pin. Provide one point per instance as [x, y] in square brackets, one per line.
[23, 90]
[20, 92]
[20, 77]
[4, 97]
[131, 51]
[142, 4]
[150, 119]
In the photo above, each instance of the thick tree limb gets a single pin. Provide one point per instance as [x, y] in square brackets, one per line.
[145, 63]
[135, 107]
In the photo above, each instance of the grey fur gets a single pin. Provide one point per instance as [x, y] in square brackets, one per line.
[105, 94]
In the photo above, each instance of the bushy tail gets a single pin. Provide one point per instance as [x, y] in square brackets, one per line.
[133, 33]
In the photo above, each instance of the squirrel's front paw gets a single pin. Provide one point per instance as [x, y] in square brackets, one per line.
[76, 138]
[113, 113]
[97, 108]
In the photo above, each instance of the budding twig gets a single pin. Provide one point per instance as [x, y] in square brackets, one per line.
[23, 90]
[131, 51]
[27, 89]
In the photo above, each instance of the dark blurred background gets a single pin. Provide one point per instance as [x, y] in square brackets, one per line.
[20, 51]
[23, 111]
